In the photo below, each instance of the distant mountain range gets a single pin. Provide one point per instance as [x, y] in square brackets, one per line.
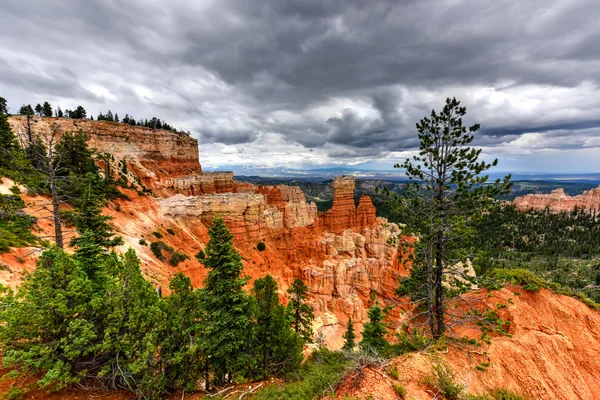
[313, 174]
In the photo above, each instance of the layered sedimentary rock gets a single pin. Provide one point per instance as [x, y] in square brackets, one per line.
[343, 213]
[343, 255]
[558, 201]
[164, 161]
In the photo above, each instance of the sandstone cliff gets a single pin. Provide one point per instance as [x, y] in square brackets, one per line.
[344, 214]
[558, 201]
[165, 162]
[553, 352]
[343, 255]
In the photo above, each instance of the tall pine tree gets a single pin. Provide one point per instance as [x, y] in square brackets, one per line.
[349, 336]
[300, 313]
[226, 305]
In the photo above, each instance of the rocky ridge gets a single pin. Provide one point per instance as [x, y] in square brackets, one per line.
[558, 201]
[344, 255]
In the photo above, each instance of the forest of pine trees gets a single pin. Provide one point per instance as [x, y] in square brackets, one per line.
[46, 110]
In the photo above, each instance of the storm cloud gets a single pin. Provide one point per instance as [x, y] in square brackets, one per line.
[315, 82]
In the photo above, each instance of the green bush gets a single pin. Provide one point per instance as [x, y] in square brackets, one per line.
[158, 235]
[177, 258]
[157, 249]
[143, 242]
[399, 389]
[322, 371]
[170, 231]
[497, 394]
[443, 378]
[14, 224]
[261, 246]
[200, 255]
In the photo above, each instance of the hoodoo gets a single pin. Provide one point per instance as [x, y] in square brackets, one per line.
[344, 255]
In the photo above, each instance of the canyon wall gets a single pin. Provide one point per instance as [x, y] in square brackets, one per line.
[558, 201]
[165, 162]
[345, 255]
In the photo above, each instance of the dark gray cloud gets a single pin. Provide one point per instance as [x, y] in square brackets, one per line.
[314, 81]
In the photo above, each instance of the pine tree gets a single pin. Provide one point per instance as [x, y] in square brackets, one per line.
[8, 142]
[447, 190]
[278, 347]
[3, 106]
[374, 331]
[87, 214]
[135, 325]
[225, 304]
[349, 336]
[38, 109]
[26, 110]
[301, 314]
[47, 109]
[182, 351]
[49, 327]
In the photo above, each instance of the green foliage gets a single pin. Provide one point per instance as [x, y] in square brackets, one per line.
[497, 394]
[447, 190]
[261, 246]
[182, 351]
[321, 372]
[134, 326]
[177, 257]
[400, 389]
[47, 109]
[374, 331]
[527, 279]
[349, 337]
[170, 231]
[300, 313]
[200, 255]
[14, 224]
[87, 214]
[26, 110]
[406, 342]
[143, 242]
[158, 235]
[558, 247]
[393, 372]
[277, 347]
[157, 249]
[227, 306]
[49, 326]
[443, 379]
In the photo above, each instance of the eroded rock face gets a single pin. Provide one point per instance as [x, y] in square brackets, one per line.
[343, 213]
[343, 255]
[558, 201]
[165, 162]
[358, 264]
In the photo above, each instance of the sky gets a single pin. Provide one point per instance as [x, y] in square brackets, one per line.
[317, 83]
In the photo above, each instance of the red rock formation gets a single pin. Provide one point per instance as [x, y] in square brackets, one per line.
[558, 201]
[553, 352]
[343, 255]
[343, 213]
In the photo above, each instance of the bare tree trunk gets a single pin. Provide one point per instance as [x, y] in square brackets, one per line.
[56, 213]
[439, 289]
[30, 145]
[430, 285]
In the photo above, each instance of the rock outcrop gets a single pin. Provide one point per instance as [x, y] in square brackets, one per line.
[344, 255]
[344, 214]
[558, 201]
[164, 161]
[552, 352]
